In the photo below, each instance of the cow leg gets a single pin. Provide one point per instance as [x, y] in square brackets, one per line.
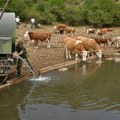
[84, 55]
[76, 56]
[32, 42]
[48, 43]
[69, 54]
[57, 32]
[66, 52]
[36, 43]
[72, 34]
[99, 54]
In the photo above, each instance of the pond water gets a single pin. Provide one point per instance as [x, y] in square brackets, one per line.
[87, 91]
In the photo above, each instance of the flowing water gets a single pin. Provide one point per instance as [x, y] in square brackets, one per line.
[87, 91]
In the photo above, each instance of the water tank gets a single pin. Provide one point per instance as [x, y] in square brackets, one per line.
[7, 34]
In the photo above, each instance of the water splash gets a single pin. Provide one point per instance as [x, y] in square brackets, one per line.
[40, 78]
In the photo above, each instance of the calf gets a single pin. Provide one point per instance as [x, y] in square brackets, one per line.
[36, 36]
[76, 47]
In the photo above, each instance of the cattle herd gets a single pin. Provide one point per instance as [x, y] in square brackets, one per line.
[77, 44]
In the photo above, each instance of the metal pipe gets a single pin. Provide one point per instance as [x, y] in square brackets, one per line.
[4, 9]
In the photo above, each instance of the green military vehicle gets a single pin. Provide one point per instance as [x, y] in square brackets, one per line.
[7, 43]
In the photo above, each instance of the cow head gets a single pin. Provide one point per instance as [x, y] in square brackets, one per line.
[26, 35]
[98, 31]
[55, 29]
[99, 54]
[84, 55]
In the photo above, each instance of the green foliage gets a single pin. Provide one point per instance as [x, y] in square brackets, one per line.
[47, 18]
[31, 12]
[29, 2]
[116, 15]
[99, 13]
[17, 6]
[73, 12]
[71, 15]
[41, 6]
[56, 11]
[56, 2]
[1, 4]
[56, 7]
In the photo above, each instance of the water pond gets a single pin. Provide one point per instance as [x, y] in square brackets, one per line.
[87, 91]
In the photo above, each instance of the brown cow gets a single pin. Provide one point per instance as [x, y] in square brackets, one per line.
[91, 45]
[76, 47]
[110, 29]
[101, 40]
[36, 36]
[102, 32]
[59, 28]
[70, 30]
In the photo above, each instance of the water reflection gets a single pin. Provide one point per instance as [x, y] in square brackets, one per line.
[10, 99]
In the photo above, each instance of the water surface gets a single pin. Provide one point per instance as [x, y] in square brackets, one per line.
[87, 91]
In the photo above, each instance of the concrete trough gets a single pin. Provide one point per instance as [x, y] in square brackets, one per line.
[58, 66]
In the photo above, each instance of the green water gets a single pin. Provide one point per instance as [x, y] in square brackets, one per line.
[87, 91]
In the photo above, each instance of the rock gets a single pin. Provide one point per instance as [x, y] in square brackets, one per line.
[63, 69]
[117, 59]
[109, 58]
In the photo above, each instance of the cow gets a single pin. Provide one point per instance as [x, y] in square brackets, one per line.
[55, 30]
[101, 40]
[102, 32]
[115, 41]
[74, 46]
[91, 32]
[38, 36]
[59, 28]
[91, 45]
[110, 29]
[70, 30]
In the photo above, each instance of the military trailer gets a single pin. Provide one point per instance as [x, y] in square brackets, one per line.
[7, 43]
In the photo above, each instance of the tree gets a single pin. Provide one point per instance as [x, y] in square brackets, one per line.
[17, 6]
[1, 4]
[71, 15]
[99, 13]
[73, 12]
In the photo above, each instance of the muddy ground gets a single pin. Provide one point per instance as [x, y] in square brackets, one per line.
[43, 57]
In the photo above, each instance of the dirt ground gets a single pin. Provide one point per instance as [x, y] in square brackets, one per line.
[43, 56]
